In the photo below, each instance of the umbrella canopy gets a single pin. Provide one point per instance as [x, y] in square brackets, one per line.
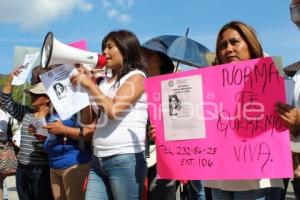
[183, 49]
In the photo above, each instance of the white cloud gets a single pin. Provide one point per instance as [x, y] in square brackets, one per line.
[112, 13]
[106, 3]
[124, 3]
[35, 13]
[117, 9]
[124, 18]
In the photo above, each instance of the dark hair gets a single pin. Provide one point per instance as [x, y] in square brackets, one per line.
[158, 47]
[58, 84]
[167, 65]
[37, 71]
[177, 106]
[174, 96]
[35, 75]
[248, 35]
[130, 48]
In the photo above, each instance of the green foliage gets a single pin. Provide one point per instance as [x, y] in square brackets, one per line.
[18, 90]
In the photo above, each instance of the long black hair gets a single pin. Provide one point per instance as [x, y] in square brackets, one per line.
[130, 48]
[167, 65]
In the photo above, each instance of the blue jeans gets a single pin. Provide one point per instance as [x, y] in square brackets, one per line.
[259, 194]
[118, 177]
[196, 190]
[33, 182]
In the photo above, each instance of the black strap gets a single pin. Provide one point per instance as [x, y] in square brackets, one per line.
[147, 142]
[81, 140]
[9, 132]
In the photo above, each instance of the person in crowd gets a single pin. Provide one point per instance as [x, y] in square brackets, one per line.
[158, 63]
[295, 12]
[291, 114]
[4, 118]
[32, 176]
[69, 161]
[237, 41]
[5, 190]
[118, 162]
[69, 151]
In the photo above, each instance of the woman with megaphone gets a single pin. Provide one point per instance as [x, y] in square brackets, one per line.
[118, 162]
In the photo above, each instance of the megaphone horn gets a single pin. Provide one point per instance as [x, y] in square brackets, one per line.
[55, 52]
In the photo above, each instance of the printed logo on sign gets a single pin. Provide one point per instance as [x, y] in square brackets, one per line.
[50, 74]
[171, 83]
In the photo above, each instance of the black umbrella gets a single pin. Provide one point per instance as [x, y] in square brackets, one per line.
[183, 49]
[292, 69]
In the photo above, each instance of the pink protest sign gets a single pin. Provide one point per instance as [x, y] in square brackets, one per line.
[79, 45]
[244, 137]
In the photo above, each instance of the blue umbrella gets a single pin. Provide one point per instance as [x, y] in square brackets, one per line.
[183, 49]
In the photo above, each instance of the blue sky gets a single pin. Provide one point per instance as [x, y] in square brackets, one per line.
[25, 23]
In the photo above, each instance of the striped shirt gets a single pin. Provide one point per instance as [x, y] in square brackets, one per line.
[31, 150]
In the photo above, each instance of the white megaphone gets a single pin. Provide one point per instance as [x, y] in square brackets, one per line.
[55, 52]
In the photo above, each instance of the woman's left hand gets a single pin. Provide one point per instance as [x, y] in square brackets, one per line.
[152, 132]
[83, 70]
[81, 79]
[289, 114]
[56, 128]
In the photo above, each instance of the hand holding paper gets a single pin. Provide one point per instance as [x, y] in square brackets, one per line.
[25, 69]
[31, 129]
[62, 93]
[56, 128]
[37, 127]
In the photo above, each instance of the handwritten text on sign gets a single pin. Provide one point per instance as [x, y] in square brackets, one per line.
[245, 138]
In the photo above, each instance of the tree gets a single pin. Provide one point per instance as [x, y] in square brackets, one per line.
[18, 90]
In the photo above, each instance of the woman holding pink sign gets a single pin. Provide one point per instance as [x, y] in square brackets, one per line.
[236, 42]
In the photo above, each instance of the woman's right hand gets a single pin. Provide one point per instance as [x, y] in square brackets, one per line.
[152, 132]
[15, 72]
[7, 89]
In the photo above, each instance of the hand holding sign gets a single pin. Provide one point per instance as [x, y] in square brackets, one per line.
[241, 127]
[291, 116]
